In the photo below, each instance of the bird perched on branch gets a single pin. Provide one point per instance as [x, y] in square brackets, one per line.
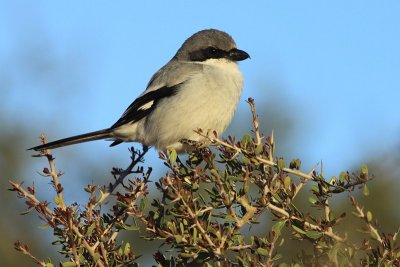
[199, 88]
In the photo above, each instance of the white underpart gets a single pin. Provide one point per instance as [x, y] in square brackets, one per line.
[207, 100]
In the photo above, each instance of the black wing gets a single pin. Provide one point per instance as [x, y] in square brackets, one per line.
[145, 104]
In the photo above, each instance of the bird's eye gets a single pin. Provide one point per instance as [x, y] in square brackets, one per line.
[212, 50]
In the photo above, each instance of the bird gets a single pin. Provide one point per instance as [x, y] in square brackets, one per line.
[199, 88]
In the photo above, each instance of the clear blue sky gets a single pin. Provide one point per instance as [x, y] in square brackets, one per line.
[334, 64]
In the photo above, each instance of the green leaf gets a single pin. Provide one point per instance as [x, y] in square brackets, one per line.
[57, 200]
[245, 140]
[295, 164]
[122, 204]
[49, 264]
[287, 181]
[68, 264]
[297, 229]
[246, 160]
[230, 218]
[90, 229]
[96, 256]
[27, 211]
[178, 239]
[131, 227]
[332, 253]
[143, 203]
[281, 163]
[277, 227]
[342, 177]
[259, 149]
[312, 200]
[365, 190]
[364, 169]
[234, 178]
[127, 249]
[313, 234]
[44, 226]
[173, 156]
[262, 251]
[369, 216]
[314, 188]
[195, 235]
[214, 172]
[187, 255]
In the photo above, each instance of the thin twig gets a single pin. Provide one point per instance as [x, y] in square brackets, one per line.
[53, 173]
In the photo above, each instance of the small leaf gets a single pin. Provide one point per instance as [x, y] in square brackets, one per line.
[281, 163]
[143, 203]
[365, 190]
[287, 181]
[234, 178]
[178, 239]
[277, 227]
[297, 229]
[49, 264]
[173, 156]
[44, 226]
[90, 229]
[96, 256]
[122, 204]
[187, 255]
[245, 140]
[314, 188]
[313, 234]
[342, 177]
[350, 251]
[259, 149]
[295, 164]
[262, 251]
[199, 213]
[195, 235]
[127, 249]
[131, 227]
[369, 216]
[229, 218]
[312, 200]
[246, 160]
[57, 200]
[26, 211]
[332, 253]
[214, 172]
[68, 264]
[364, 169]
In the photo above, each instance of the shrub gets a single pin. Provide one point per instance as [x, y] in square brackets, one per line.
[207, 208]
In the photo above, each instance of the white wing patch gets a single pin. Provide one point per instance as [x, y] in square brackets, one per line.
[147, 105]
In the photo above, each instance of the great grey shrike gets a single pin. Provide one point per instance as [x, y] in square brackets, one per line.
[199, 88]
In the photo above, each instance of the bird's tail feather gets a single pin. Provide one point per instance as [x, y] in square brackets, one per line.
[97, 135]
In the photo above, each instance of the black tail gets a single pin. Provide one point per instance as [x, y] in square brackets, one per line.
[97, 135]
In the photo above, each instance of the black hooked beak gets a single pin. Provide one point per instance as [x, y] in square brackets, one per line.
[237, 55]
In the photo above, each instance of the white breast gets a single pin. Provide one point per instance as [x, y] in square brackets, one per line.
[207, 101]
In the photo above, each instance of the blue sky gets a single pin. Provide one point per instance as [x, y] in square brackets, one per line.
[334, 65]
